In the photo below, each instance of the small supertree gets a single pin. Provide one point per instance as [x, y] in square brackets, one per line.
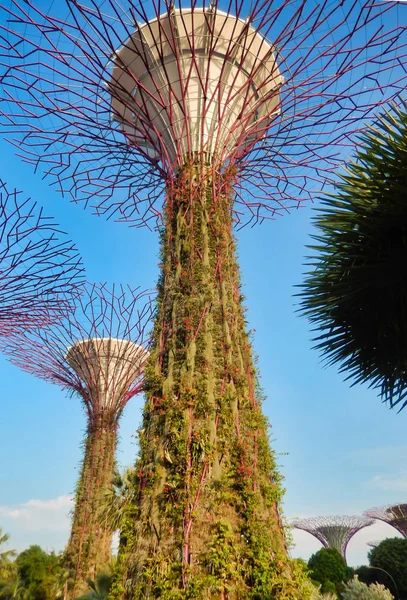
[393, 514]
[97, 348]
[355, 293]
[200, 116]
[333, 532]
[39, 267]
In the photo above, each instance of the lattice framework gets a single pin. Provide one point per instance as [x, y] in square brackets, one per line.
[337, 62]
[393, 514]
[71, 114]
[39, 267]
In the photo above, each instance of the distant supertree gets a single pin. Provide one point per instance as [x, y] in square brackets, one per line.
[97, 349]
[333, 532]
[39, 267]
[199, 117]
[393, 514]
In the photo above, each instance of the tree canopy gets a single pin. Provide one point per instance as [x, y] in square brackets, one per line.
[391, 556]
[327, 565]
[36, 570]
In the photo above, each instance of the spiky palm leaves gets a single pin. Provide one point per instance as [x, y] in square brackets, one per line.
[355, 292]
[117, 498]
[98, 589]
[6, 565]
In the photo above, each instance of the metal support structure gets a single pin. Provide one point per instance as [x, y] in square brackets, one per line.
[333, 532]
[40, 268]
[118, 96]
[393, 514]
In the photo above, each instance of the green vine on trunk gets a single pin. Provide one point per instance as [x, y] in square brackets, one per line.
[203, 522]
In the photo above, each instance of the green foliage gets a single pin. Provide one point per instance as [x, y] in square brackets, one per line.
[328, 587]
[391, 555]
[357, 590]
[327, 566]
[35, 569]
[99, 589]
[6, 564]
[357, 274]
[89, 546]
[12, 588]
[202, 519]
[117, 499]
[366, 574]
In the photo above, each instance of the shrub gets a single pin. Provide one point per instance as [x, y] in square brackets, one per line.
[327, 565]
[356, 590]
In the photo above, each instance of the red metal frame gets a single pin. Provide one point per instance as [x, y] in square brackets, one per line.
[40, 268]
[340, 61]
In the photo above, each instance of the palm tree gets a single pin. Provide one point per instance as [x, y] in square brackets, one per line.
[117, 498]
[99, 589]
[6, 565]
[13, 589]
[61, 584]
[355, 293]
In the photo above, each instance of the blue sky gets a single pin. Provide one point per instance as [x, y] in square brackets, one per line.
[341, 450]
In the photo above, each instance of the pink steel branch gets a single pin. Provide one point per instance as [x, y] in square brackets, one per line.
[39, 267]
[74, 351]
[79, 113]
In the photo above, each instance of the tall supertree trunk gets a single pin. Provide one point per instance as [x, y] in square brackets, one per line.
[89, 546]
[204, 517]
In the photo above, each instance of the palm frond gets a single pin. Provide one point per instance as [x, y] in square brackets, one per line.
[355, 288]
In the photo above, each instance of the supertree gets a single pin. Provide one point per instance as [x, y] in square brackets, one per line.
[39, 266]
[333, 532]
[393, 514]
[197, 121]
[96, 349]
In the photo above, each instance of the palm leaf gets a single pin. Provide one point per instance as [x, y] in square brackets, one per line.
[355, 288]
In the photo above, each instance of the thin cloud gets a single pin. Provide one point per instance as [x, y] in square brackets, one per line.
[392, 483]
[37, 515]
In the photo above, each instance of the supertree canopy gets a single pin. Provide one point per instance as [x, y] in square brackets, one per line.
[199, 117]
[97, 348]
[333, 532]
[108, 95]
[393, 514]
[39, 266]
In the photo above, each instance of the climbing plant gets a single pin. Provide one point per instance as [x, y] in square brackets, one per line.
[203, 520]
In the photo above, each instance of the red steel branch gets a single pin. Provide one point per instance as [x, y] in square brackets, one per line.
[39, 266]
[83, 115]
